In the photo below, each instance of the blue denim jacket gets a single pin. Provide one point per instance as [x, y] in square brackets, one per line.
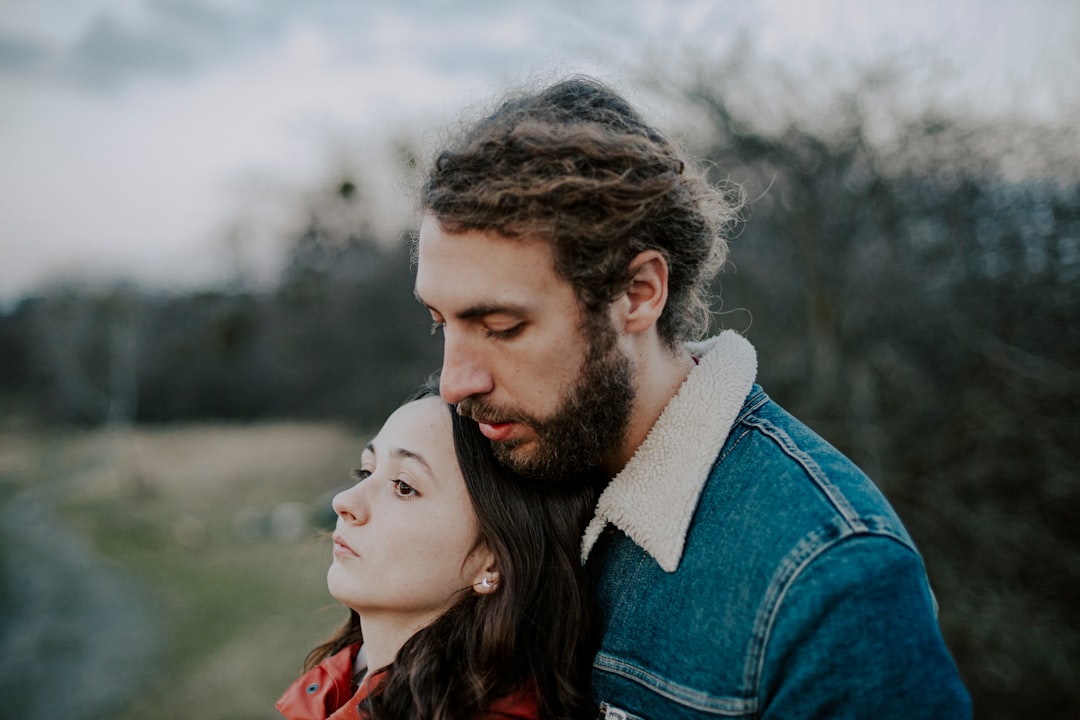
[777, 584]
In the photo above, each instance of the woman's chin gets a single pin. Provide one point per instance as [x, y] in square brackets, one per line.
[337, 585]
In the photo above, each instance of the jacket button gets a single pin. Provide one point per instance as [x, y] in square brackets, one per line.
[312, 688]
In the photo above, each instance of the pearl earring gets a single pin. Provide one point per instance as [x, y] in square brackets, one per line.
[486, 582]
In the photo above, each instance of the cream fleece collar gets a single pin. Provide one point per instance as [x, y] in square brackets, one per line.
[653, 499]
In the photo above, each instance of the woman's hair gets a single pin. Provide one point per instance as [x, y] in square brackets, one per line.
[532, 632]
[575, 164]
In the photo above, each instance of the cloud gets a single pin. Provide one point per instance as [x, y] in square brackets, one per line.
[110, 53]
[113, 45]
[132, 129]
[21, 55]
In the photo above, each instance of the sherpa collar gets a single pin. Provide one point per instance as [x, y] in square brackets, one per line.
[653, 499]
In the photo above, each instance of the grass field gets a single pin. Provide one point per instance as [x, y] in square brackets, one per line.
[212, 532]
[217, 524]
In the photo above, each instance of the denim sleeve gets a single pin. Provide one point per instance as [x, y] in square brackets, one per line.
[854, 635]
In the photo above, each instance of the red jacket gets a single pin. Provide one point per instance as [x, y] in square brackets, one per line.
[325, 693]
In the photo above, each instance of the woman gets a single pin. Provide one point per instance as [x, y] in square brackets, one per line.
[466, 594]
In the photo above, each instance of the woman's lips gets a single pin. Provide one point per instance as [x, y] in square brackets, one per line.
[342, 548]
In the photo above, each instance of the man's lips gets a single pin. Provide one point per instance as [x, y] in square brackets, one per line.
[496, 432]
[496, 426]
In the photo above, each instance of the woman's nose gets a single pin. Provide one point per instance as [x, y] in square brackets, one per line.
[350, 505]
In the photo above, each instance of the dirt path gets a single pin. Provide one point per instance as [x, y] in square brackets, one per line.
[77, 635]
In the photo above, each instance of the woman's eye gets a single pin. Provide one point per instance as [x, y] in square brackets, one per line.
[403, 489]
[360, 474]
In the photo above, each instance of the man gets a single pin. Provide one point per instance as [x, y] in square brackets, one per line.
[744, 567]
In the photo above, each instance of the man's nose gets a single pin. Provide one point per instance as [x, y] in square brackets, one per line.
[464, 373]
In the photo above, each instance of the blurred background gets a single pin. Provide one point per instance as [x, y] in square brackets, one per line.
[206, 300]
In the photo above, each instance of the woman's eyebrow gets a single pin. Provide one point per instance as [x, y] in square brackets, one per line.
[410, 455]
[406, 455]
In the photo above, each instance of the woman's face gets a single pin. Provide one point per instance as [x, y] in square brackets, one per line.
[404, 546]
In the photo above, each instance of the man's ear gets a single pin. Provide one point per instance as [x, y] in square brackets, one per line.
[647, 292]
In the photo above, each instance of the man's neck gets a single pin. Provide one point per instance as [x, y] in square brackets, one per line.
[659, 373]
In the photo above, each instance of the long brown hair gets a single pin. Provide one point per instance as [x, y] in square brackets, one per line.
[533, 632]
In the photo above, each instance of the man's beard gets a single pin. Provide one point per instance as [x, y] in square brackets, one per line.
[590, 423]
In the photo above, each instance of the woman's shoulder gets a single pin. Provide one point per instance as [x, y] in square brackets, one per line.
[319, 692]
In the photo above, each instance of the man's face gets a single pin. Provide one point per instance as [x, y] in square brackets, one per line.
[549, 387]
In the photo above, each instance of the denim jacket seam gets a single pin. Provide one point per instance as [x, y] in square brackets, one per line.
[680, 694]
[732, 442]
[789, 570]
[813, 471]
[754, 401]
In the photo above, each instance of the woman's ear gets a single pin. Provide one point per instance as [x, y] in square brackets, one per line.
[647, 294]
[486, 580]
[487, 585]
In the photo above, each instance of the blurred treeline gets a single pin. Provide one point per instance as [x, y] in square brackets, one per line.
[912, 285]
[911, 280]
[339, 335]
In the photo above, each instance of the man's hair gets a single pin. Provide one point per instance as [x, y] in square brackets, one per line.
[576, 164]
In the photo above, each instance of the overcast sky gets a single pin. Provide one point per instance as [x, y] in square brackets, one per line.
[137, 135]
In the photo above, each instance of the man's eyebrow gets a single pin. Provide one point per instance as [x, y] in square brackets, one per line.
[481, 310]
[484, 310]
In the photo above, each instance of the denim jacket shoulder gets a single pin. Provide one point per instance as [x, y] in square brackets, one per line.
[798, 594]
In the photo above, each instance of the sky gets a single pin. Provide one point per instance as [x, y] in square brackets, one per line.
[169, 142]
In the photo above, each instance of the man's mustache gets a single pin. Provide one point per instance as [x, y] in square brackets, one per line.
[483, 412]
